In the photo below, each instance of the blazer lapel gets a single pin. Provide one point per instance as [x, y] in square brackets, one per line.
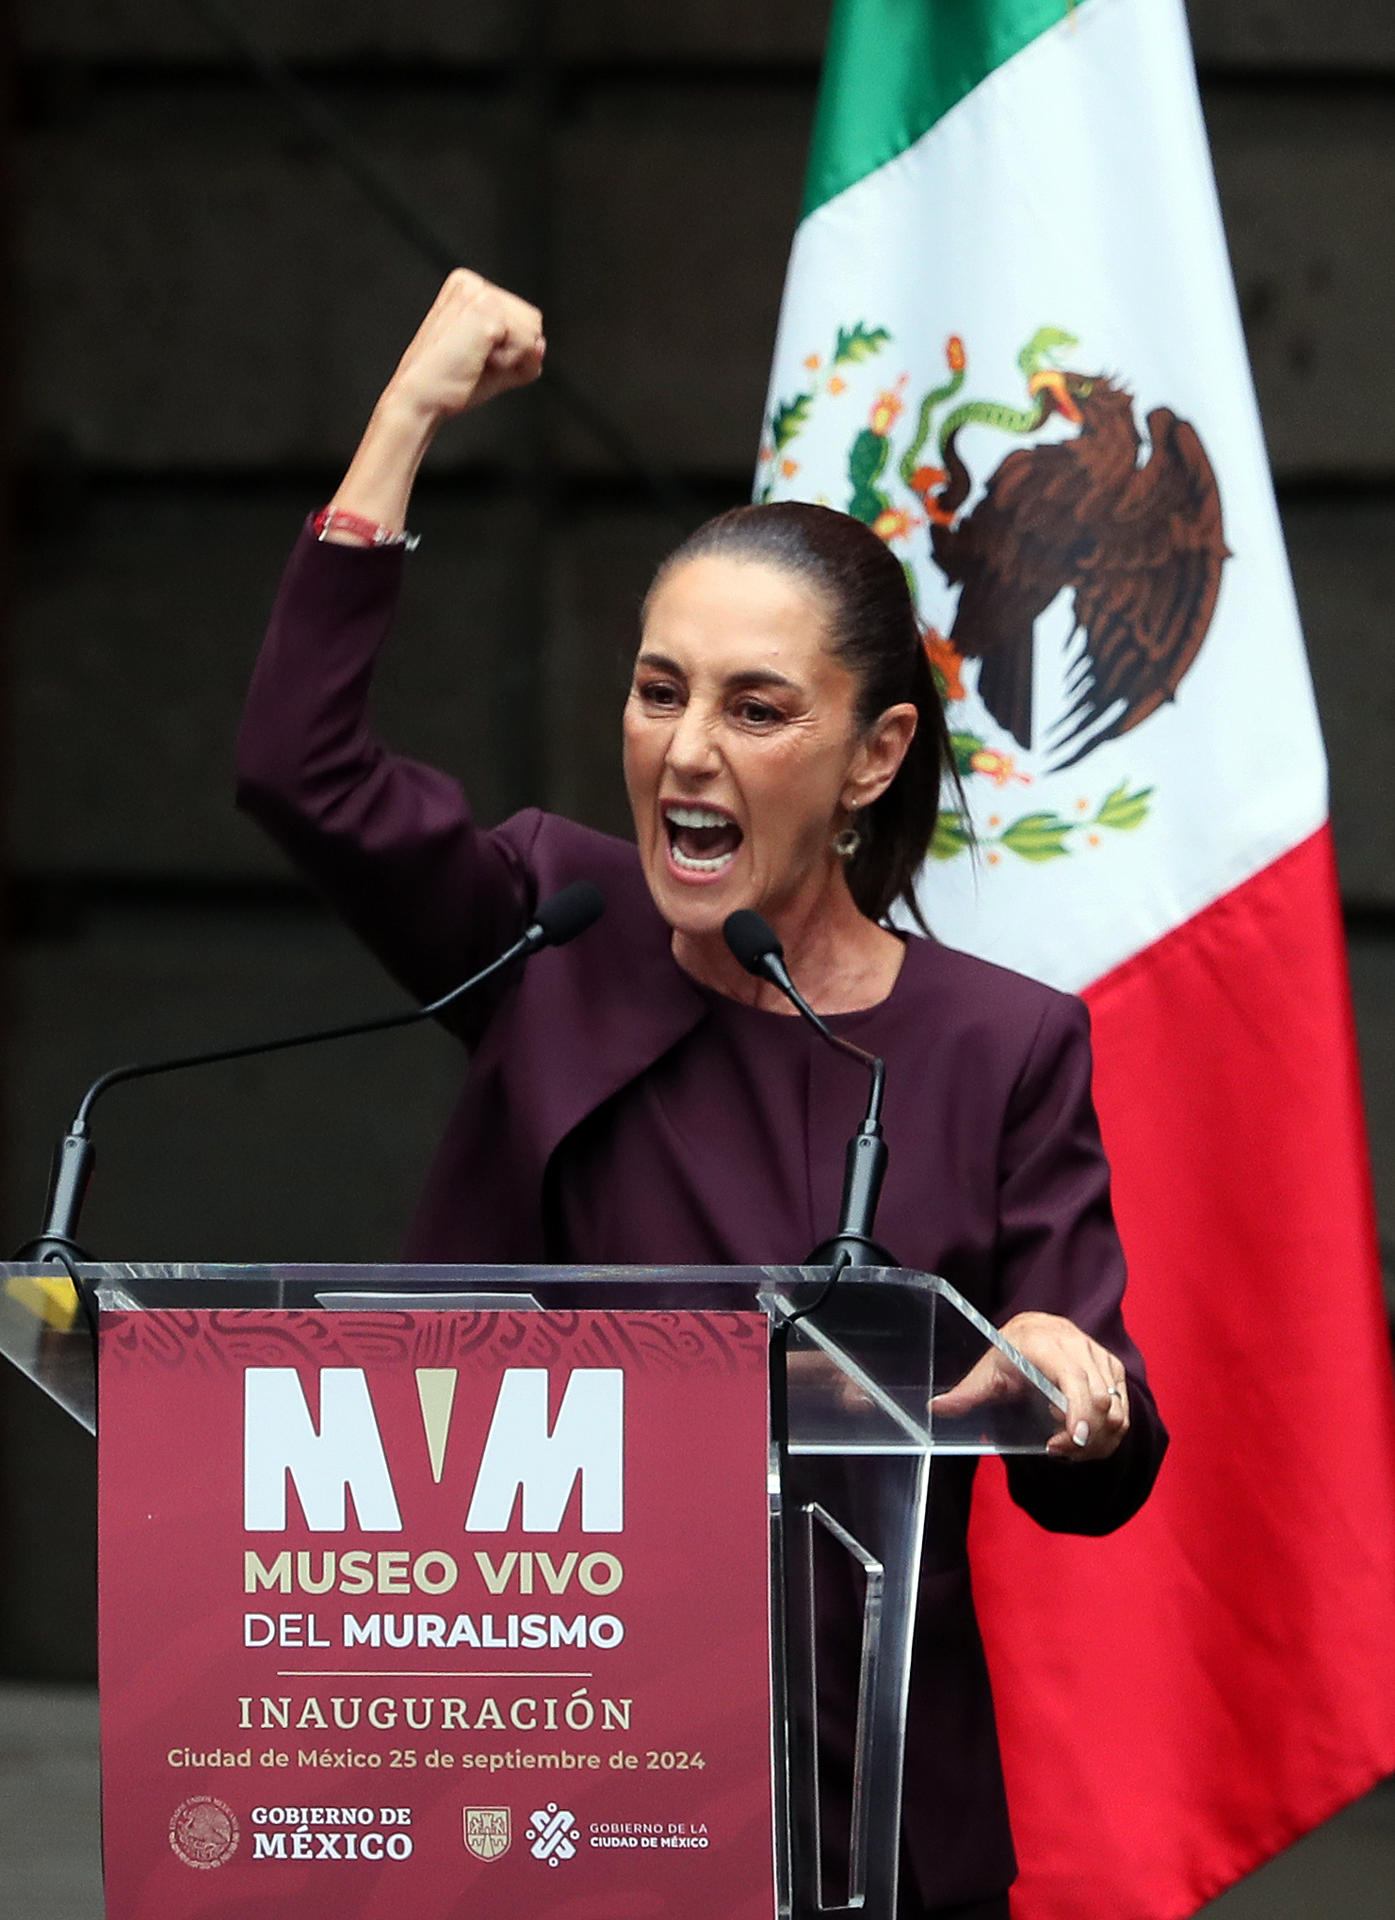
[591, 1017]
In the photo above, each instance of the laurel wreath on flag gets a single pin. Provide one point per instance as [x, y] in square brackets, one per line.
[1036, 836]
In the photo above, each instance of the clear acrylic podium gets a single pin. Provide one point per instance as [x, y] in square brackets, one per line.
[870, 1381]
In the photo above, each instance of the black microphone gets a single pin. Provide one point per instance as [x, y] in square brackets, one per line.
[755, 944]
[559, 919]
[555, 921]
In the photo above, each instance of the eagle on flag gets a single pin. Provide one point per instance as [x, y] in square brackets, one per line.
[1141, 546]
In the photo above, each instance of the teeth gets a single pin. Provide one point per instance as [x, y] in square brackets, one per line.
[691, 865]
[696, 817]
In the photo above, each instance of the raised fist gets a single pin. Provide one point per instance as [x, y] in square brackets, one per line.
[476, 341]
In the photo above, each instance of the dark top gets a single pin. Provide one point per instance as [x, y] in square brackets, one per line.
[741, 1085]
[615, 1111]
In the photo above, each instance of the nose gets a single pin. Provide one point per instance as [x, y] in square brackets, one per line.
[692, 749]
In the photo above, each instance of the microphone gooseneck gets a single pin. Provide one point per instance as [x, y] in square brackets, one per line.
[555, 921]
[754, 943]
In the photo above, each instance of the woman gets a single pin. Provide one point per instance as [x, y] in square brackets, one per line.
[637, 1096]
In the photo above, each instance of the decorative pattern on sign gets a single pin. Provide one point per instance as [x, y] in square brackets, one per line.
[227, 1340]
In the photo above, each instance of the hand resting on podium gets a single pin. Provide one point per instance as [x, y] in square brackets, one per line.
[1096, 1387]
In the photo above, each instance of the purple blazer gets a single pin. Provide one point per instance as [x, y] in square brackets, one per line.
[997, 1177]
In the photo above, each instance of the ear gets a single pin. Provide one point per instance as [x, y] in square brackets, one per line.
[879, 754]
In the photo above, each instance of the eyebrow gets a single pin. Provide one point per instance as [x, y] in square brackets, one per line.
[755, 677]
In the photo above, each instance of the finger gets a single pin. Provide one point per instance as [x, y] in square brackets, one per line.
[1104, 1441]
[1108, 1419]
[1117, 1418]
[461, 283]
[1102, 1396]
[468, 299]
[460, 288]
[851, 1397]
[504, 380]
[1084, 1394]
[515, 364]
[515, 355]
[1105, 1393]
[1079, 1419]
[522, 321]
[979, 1385]
[1111, 1391]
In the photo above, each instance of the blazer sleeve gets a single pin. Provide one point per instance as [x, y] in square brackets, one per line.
[1059, 1252]
[390, 843]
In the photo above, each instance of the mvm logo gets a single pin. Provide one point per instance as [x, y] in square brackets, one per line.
[488, 1831]
[523, 1458]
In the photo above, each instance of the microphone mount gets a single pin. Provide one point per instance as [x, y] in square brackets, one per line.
[754, 943]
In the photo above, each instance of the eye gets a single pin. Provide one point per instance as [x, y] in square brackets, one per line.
[660, 695]
[757, 713]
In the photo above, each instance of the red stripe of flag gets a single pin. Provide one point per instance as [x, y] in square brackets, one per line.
[1180, 1701]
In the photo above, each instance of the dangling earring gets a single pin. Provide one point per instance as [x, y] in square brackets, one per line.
[847, 840]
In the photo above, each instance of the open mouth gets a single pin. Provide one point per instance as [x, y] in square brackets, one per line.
[700, 839]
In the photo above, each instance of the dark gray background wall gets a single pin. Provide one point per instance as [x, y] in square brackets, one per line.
[207, 307]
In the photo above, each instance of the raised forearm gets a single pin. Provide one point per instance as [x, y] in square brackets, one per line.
[475, 342]
[381, 475]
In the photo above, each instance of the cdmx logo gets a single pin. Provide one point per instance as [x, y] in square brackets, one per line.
[488, 1831]
[553, 1835]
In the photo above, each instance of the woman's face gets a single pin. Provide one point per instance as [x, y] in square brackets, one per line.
[741, 745]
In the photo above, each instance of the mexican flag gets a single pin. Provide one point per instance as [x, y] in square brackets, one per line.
[1010, 342]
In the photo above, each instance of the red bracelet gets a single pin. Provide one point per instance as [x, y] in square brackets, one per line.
[336, 520]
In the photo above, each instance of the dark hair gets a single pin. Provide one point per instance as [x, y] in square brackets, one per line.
[874, 631]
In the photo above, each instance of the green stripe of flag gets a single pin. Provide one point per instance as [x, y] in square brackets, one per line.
[895, 67]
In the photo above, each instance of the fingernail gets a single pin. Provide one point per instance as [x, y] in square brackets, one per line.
[1081, 1436]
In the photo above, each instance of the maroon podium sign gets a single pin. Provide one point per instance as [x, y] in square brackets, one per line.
[440, 1613]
